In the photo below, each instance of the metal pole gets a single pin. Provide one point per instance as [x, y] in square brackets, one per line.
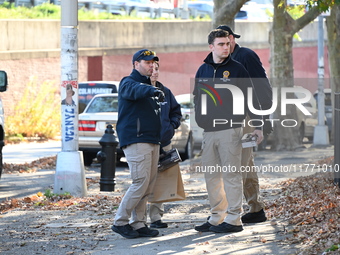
[321, 130]
[336, 166]
[70, 171]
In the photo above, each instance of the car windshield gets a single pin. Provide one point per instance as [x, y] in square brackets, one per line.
[103, 104]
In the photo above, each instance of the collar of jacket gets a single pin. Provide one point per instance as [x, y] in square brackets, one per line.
[160, 85]
[236, 49]
[209, 60]
[140, 78]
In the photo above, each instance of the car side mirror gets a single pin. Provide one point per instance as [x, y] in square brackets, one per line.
[3, 81]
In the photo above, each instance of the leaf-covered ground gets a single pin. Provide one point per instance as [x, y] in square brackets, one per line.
[43, 163]
[310, 204]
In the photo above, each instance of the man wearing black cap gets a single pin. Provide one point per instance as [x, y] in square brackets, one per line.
[138, 130]
[263, 93]
[221, 85]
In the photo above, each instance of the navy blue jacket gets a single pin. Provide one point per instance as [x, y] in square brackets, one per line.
[170, 114]
[139, 113]
[251, 61]
[220, 101]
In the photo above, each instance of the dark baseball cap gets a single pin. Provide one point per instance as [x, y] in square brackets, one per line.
[229, 30]
[144, 55]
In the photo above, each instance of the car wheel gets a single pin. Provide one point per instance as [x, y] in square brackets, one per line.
[88, 158]
[189, 149]
[118, 158]
[1, 163]
[310, 138]
[301, 133]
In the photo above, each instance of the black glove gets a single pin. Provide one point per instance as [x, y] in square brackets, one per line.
[161, 152]
[267, 127]
[160, 94]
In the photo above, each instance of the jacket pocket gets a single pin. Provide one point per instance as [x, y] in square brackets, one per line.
[236, 148]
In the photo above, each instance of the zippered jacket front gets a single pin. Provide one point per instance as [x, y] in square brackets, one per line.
[139, 112]
[221, 96]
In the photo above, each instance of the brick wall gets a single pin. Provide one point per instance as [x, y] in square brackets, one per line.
[30, 49]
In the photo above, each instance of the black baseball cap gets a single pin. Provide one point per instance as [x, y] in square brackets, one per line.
[229, 30]
[144, 54]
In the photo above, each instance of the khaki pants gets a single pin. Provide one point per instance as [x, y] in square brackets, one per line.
[251, 187]
[156, 210]
[142, 159]
[221, 162]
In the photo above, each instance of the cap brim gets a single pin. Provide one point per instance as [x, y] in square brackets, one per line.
[236, 35]
[151, 57]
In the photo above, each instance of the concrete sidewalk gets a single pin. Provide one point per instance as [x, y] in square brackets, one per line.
[88, 231]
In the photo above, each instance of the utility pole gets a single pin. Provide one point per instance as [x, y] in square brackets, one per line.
[321, 130]
[70, 171]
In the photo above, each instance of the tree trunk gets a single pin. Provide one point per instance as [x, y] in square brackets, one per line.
[333, 33]
[282, 74]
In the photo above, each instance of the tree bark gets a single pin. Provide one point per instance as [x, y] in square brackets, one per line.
[225, 12]
[333, 34]
[282, 74]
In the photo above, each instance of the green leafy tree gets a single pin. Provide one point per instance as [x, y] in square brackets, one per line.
[283, 29]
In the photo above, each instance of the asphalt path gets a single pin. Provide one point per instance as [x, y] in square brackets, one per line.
[88, 231]
[288, 164]
[28, 152]
[20, 185]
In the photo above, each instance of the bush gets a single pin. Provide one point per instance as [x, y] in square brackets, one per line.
[38, 113]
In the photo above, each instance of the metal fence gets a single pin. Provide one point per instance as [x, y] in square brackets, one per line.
[117, 9]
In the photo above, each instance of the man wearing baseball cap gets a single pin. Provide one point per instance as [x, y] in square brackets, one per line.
[229, 30]
[139, 131]
[263, 93]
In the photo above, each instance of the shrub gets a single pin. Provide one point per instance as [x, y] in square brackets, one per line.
[38, 113]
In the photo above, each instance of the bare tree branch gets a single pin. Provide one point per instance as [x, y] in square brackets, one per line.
[225, 12]
[307, 18]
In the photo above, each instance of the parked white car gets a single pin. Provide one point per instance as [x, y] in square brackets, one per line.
[3, 87]
[89, 89]
[188, 112]
[101, 111]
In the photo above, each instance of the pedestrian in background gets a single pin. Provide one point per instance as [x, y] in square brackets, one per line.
[171, 119]
[139, 132]
[263, 92]
[221, 144]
